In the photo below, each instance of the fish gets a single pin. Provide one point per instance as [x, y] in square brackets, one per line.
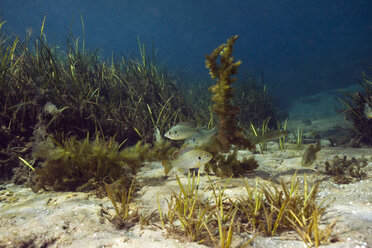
[200, 138]
[181, 131]
[368, 111]
[187, 158]
[309, 155]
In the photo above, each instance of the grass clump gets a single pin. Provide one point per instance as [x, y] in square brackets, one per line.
[123, 219]
[198, 218]
[271, 210]
[187, 208]
[266, 209]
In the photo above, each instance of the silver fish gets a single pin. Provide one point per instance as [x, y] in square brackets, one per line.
[201, 138]
[187, 159]
[181, 131]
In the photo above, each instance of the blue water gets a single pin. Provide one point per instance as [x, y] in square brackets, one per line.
[303, 47]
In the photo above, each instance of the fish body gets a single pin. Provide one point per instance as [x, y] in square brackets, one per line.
[368, 111]
[309, 155]
[201, 138]
[187, 159]
[181, 131]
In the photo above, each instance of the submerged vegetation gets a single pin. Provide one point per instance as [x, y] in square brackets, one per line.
[46, 91]
[255, 102]
[229, 133]
[358, 113]
[71, 108]
[265, 209]
[345, 170]
[123, 219]
[226, 165]
[85, 165]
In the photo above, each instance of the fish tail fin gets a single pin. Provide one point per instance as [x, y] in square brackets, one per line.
[167, 165]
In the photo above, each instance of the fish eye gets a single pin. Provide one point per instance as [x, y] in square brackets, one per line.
[199, 158]
[175, 132]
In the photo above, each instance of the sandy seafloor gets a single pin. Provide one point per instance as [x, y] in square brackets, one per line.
[69, 219]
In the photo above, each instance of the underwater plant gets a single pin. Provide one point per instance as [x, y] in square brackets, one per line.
[229, 133]
[81, 165]
[358, 113]
[344, 170]
[282, 139]
[257, 138]
[265, 209]
[299, 138]
[46, 90]
[197, 96]
[200, 218]
[226, 165]
[269, 210]
[188, 208]
[123, 219]
[254, 101]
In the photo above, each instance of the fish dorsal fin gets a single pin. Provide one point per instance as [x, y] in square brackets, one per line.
[181, 151]
[187, 124]
[208, 131]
